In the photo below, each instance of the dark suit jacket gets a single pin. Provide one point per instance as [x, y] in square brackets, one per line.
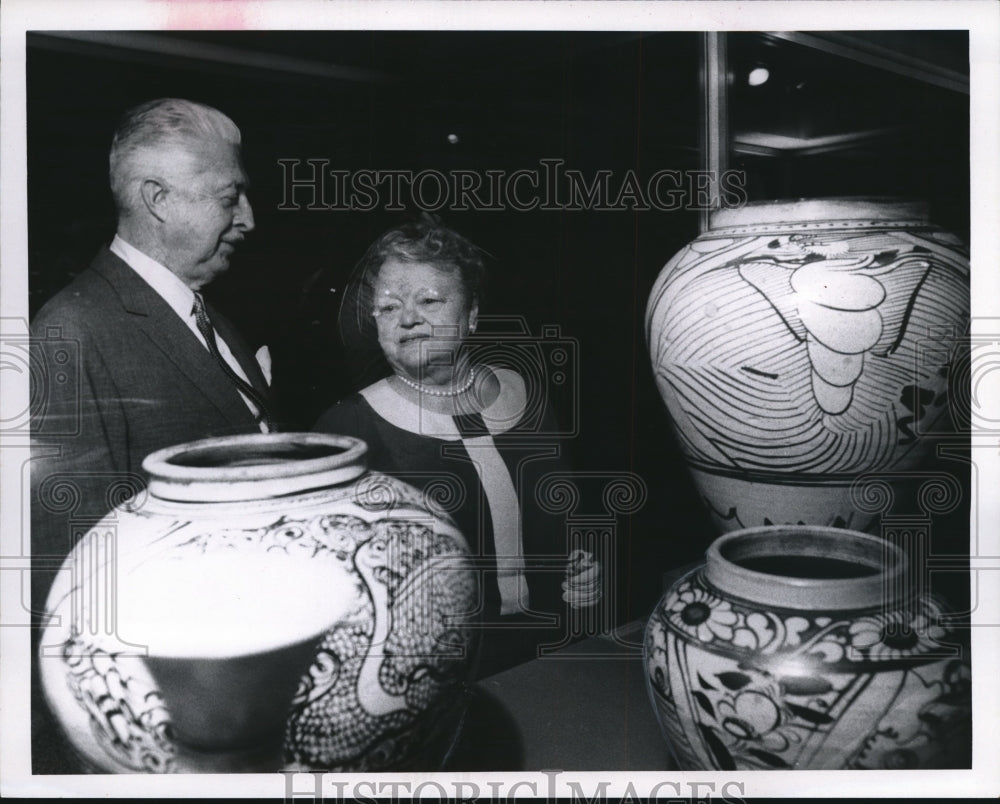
[116, 375]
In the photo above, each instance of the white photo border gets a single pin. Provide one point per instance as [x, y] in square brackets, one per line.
[980, 17]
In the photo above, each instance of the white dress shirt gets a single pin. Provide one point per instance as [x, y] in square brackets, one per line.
[180, 297]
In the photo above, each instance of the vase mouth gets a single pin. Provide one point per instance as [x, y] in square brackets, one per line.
[806, 567]
[843, 211]
[249, 467]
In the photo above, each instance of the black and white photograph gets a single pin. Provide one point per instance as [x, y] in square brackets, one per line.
[483, 400]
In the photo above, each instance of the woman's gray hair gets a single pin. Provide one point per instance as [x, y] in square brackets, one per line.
[427, 240]
[152, 127]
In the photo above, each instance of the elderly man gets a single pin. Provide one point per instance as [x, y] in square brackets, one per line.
[143, 362]
[150, 365]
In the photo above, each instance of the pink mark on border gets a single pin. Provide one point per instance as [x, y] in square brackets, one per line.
[193, 15]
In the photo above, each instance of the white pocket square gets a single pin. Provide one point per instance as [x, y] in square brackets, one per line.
[264, 361]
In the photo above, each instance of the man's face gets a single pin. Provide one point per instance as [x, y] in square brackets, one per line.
[209, 212]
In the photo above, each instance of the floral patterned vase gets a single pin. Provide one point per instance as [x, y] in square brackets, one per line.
[800, 344]
[795, 647]
[264, 603]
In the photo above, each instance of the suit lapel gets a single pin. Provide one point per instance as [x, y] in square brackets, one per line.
[162, 326]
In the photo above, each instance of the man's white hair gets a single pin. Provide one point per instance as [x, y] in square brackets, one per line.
[147, 131]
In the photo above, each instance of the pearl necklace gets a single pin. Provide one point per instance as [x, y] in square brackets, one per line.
[433, 392]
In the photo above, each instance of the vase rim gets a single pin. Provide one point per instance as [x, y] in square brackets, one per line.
[248, 467]
[882, 567]
[784, 211]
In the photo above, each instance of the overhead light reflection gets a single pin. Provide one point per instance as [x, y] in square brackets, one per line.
[758, 76]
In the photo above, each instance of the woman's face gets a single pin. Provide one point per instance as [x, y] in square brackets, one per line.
[422, 313]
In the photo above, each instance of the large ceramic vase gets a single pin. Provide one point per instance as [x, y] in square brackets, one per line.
[265, 603]
[797, 647]
[801, 345]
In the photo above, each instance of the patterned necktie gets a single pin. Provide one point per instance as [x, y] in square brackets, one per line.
[208, 332]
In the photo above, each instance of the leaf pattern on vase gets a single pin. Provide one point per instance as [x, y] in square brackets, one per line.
[693, 608]
[783, 690]
[658, 683]
[757, 723]
[942, 724]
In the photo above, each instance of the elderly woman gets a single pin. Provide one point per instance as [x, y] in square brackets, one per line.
[442, 418]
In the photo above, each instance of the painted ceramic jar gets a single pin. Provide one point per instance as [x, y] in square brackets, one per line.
[799, 345]
[796, 647]
[264, 603]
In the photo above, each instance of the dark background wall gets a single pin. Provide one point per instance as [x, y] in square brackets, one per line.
[390, 100]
